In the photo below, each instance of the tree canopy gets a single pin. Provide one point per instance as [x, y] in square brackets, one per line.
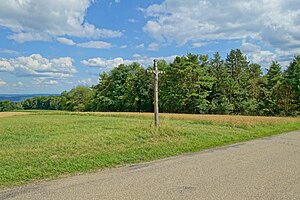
[191, 84]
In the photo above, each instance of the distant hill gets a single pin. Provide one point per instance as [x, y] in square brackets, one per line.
[21, 97]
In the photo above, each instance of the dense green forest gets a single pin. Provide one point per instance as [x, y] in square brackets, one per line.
[190, 84]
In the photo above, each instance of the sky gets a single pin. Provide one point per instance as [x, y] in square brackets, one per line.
[53, 46]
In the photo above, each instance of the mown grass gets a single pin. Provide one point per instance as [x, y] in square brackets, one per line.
[46, 145]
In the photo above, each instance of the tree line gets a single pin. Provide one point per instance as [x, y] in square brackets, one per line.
[193, 83]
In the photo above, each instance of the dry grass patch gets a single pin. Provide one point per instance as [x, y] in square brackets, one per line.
[234, 119]
[238, 120]
[9, 114]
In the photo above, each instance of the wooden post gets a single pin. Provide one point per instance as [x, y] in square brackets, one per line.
[155, 71]
[156, 93]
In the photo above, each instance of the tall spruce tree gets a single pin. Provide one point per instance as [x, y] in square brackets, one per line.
[238, 68]
[253, 92]
[292, 77]
[289, 90]
[221, 93]
[273, 80]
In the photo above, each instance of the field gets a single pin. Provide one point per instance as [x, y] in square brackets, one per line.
[45, 145]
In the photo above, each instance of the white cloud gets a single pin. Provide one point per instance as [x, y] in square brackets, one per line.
[155, 29]
[136, 55]
[199, 44]
[108, 64]
[131, 20]
[148, 61]
[44, 81]
[264, 57]
[123, 46]
[248, 47]
[140, 46]
[25, 37]
[18, 84]
[66, 41]
[8, 51]
[2, 83]
[90, 44]
[95, 44]
[86, 82]
[5, 66]
[153, 46]
[40, 20]
[256, 54]
[274, 22]
[38, 66]
[104, 63]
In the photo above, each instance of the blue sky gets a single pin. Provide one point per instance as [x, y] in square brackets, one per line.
[52, 46]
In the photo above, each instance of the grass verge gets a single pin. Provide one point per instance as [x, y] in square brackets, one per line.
[47, 145]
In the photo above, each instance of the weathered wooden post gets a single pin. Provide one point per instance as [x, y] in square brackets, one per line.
[155, 72]
[156, 93]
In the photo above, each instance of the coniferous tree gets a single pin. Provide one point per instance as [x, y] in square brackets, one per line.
[220, 95]
[292, 77]
[238, 67]
[271, 93]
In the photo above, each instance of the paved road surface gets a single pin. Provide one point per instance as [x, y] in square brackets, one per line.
[261, 169]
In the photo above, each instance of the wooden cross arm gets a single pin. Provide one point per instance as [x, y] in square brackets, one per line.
[150, 71]
[156, 71]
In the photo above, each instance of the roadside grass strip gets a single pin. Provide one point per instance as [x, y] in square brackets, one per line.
[47, 145]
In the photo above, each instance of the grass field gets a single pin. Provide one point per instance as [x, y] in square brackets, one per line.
[46, 145]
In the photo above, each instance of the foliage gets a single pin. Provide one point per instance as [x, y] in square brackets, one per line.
[42, 103]
[6, 105]
[190, 84]
[78, 99]
[187, 85]
[125, 88]
[292, 77]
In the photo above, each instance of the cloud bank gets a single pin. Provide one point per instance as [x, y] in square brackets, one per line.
[275, 23]
[108, 64]
[38, 66]
[39, 20]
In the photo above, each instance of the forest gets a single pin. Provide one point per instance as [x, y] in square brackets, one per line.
[196, 84]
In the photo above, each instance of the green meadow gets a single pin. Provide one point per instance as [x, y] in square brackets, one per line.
[47, 145]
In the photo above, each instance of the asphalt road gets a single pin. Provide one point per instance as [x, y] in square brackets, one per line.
[266, 168]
